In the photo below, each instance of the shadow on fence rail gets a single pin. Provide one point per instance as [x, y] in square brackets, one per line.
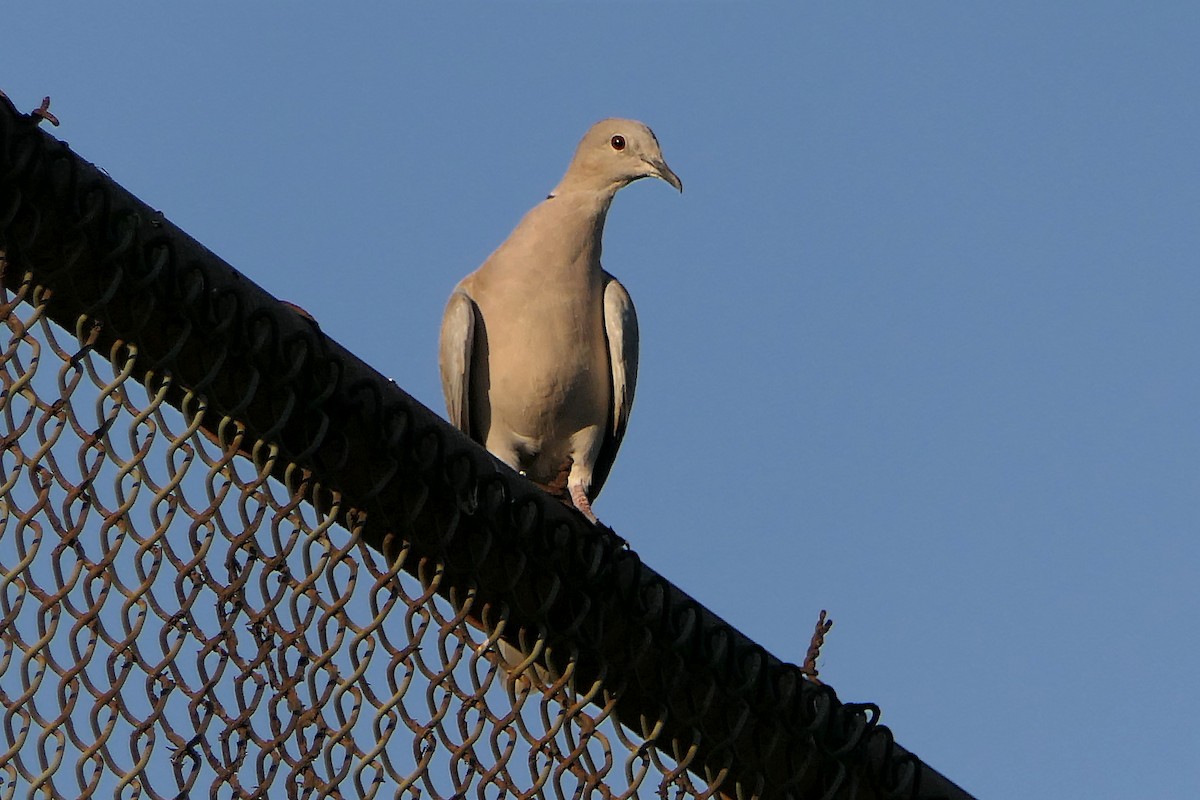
[231, 547]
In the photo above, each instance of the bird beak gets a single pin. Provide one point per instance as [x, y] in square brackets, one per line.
[659, 169]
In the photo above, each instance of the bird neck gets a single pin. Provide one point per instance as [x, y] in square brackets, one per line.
[580, 179]
[579, 216]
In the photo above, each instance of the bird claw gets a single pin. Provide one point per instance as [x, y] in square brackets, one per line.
[624, 543]
[580, 499]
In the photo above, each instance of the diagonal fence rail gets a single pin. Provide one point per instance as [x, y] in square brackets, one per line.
[237, 561]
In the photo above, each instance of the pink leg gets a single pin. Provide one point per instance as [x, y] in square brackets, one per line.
[579, 498]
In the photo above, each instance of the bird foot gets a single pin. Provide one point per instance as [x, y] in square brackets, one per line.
[579, 498]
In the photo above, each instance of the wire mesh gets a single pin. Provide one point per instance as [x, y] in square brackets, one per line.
[175, 621]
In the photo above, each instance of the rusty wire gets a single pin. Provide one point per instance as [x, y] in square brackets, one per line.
[236, 561]
[175, 620]
[809, 667]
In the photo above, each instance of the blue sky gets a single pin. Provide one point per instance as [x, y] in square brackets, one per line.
[919, 339]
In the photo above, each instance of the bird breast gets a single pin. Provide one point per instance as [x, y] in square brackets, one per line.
[556, 381]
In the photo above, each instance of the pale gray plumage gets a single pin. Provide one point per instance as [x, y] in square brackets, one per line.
[539, 346]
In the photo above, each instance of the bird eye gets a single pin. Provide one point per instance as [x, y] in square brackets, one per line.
[617, 142]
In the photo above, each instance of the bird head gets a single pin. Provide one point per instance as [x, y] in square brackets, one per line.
[614, 153]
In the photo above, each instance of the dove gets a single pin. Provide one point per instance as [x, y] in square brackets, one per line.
[538, 350]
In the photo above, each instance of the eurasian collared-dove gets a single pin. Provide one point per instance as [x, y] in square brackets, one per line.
[539, 346]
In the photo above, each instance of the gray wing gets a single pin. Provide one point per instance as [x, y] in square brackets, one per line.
[621, 330]
[455, 350]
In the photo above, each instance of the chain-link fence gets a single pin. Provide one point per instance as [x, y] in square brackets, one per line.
[236, 561]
